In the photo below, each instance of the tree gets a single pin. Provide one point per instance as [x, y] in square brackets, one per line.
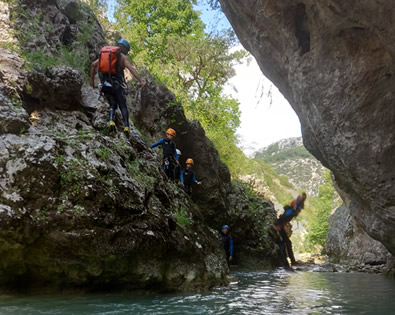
[168, 37]
[147, 24]
[319, 220]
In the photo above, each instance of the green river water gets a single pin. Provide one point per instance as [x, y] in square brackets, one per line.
[264, 292]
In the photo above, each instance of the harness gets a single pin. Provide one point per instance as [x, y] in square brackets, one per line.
[188, 177]
[169, 149]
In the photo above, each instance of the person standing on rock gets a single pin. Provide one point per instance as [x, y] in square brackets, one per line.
[227, 241]
[170, 156]
[282, 222]
[188, 177]
[110, 65]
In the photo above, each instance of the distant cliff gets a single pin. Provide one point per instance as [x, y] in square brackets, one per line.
[290, 158]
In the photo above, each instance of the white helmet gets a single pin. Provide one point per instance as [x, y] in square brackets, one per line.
[178, 152]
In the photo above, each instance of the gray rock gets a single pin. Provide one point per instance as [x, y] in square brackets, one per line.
[57, 88]
[348, 243]
[332, 60]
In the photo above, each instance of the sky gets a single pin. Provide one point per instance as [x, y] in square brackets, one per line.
[266, 115]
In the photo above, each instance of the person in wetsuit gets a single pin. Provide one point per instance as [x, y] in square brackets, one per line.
[290, 212]
[113, 84]
[227, 241]
[170, 156]
[188, 177]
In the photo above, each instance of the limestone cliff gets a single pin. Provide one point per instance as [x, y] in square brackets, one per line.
[80, 207]
[347, 243]
[333, 61]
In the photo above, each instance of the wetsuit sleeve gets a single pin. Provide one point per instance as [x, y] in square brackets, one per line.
[158, 143]
[175, 152]
[230, 246]
[182, 176]
[194, 179]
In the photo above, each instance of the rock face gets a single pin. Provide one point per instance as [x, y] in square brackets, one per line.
[82, 208]
[348, 243]
[333, 61]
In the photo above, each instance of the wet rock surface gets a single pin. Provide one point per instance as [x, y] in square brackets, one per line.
[333, 61]
[318, 263]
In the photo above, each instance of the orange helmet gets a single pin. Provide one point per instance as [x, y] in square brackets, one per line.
[189, 161]
[171, 132]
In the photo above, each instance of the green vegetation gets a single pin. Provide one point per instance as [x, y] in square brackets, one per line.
[103, 153]
[182, 217]
[39, 59]
[326, 201]
[272, 154]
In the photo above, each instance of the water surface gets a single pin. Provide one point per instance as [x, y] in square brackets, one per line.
[266, 292]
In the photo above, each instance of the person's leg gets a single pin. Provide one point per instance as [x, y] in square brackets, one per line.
[288, 244]
[188, 190]
[121, 100]
[283, 253]
[166, 166]
[171, 171]
[112, 101]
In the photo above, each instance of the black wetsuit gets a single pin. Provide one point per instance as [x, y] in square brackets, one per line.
[188, 178]
[114, 91]
[285, 218]
[170, 156]
[227, 241]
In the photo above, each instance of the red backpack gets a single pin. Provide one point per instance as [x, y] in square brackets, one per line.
[109, 60]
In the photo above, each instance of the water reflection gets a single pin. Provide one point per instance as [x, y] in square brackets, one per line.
[275, 292]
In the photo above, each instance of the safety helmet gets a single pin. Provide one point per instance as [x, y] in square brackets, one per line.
[178, 152]
[189, 161]
[225, 227]
[171, 132]
[125, 43]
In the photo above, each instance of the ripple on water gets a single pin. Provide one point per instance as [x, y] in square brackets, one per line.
[266, 292]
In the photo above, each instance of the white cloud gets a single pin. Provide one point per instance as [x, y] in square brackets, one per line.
[265, 118]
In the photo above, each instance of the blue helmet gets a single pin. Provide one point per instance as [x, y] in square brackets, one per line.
[125, 43]
[225, 227]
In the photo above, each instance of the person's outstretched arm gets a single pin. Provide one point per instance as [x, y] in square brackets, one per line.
[93, 72]
[133, 71]
[195, 180]
[158, 143]
[175, 153]
[230, 248]
[182, 177]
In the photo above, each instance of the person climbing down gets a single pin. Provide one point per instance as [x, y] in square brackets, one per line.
[110, 65]
[170, 156]
[188, 177]
[227, 241]
[284, 219]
